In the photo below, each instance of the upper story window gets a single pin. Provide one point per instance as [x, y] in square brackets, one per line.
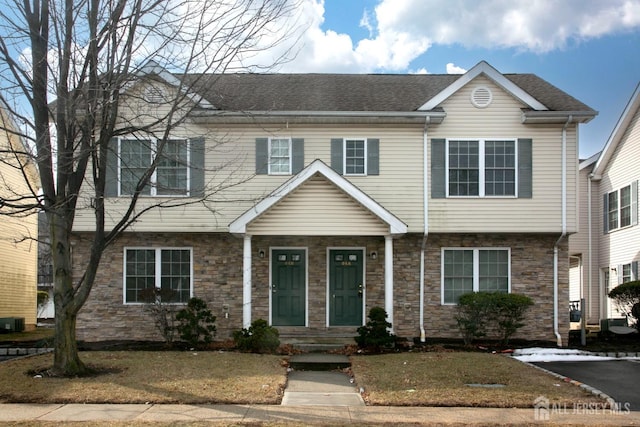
[481, 168]
[620, 208]
[467, 270]
[355, 156]
[153, 272]
[172, 172]
[279, 155]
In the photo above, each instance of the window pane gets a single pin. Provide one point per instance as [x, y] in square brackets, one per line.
[613, 210]
[626, 273]
[279, 156]
[172, 170]
[499, 159]
[140, 275]
[354, 157]
[176, 274]
[458, 274]
[493, 270]
[625, 206]
[463, 168]
[135, 159]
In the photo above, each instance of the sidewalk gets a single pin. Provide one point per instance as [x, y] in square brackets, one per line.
[306, 415]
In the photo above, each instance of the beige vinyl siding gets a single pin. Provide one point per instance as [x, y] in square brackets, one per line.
[621, 246]
[318, 208]
[18, 247]
[230, 164]
[503, 119]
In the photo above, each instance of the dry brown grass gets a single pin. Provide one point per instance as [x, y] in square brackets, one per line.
[155, 377]
[439, 379]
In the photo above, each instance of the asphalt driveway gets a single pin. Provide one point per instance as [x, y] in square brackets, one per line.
[617, 378]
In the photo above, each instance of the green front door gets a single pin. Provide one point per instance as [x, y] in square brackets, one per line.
[288, 287]
[346, 287]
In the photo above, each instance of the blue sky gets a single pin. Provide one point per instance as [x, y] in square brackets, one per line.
[588, 48]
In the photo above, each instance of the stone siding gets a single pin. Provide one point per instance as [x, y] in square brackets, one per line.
[218, 280]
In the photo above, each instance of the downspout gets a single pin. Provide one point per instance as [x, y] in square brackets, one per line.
[425, 196]
[562, 235]
[589, 243]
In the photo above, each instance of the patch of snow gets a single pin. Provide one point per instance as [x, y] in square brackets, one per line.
[539, 354]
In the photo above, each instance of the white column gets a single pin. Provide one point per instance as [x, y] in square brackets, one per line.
[246, 282]
[388, 278]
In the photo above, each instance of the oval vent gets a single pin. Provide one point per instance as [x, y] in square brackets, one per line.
[481, 97]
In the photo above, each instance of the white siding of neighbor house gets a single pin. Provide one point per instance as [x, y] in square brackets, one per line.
[318, 208]
[621, 246]
[589, 273]
[503, 119]
[18, 245]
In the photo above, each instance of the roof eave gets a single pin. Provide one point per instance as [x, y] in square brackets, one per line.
[554, 117]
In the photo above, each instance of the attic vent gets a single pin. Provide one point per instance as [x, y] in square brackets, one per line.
[153, 94]
[481, 97]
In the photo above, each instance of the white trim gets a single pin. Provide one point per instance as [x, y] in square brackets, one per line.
[269, 162]
[476, 267]
[306, 281]
[246, 281]
[344, 156]
[396, 226]
[158, 269]
[483, 68]
[482, 168]
[328, 281]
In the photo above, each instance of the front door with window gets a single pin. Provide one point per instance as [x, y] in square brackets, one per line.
[346, 287]
[288, 287]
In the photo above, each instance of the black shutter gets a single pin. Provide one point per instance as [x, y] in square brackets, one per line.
[336, 155]
[262, 156]
[438, 168]
[373, 156]
[111, 177]
[525, 169]
[605, 213]
[196, 167]
[634, 203]
[297, 157]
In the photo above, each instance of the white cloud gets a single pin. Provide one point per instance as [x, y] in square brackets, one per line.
[402, 30]
[454, 69]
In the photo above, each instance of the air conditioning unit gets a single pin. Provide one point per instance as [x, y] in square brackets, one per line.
[11, 324]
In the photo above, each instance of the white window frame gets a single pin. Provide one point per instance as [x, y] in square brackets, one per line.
[619, 208]
[476, 267]
[481, 168]
[269, 159]
[158, 270]
[344, 156]
[153, 180]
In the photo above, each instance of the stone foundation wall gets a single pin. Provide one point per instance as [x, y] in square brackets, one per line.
[218, 280]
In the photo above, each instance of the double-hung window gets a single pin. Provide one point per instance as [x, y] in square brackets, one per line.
[171, 176]
[467, 270]
[279, 156]
[355, 156]
[481, 167]
[621, 207]
[152, 272]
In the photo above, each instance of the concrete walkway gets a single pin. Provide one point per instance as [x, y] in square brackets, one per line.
[308, 415]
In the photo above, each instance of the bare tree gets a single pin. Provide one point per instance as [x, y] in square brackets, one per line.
[72, 62]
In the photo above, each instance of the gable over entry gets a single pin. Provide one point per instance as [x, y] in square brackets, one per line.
[317, 201]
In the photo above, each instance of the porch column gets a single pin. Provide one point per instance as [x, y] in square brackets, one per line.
[246, 282]
[388, 278]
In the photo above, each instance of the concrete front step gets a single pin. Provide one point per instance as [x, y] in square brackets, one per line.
[318, 362]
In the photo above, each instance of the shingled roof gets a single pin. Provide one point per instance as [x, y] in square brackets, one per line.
[351, 92]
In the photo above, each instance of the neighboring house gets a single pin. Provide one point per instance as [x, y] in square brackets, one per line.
[350, 192]
[18, 233]
[607, 248]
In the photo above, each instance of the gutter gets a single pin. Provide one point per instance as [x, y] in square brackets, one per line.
[425, 181]
[562, 235]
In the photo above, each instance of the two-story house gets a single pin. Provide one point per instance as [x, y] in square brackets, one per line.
[321, 196]
[18, 231]
[606, 250]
